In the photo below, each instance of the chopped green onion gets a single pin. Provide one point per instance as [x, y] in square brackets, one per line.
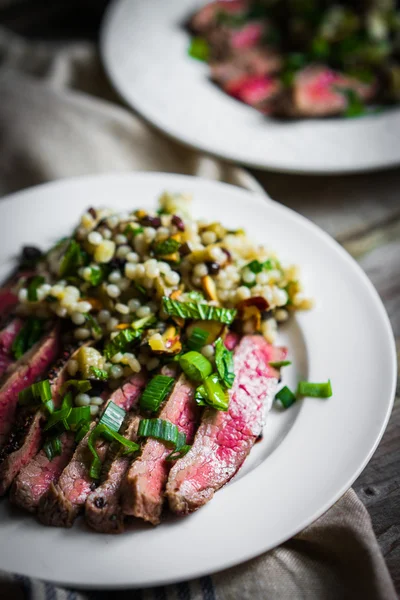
[280, 363]
[121, 342]
[164, 431]
[82, 430]
[59, 416]
[140, 288]
[256, 266]
[196, 366]
[27, 337]
[81, 385]
[98, 273]
[93, 324]
[37, 393]
[212, 393]
[176, 454]
[286, 396]
[52, 448]
[144, 322]
[33, 285]
[155, 392]
[133, 230]
[100, 374]
[78, 416]
[197, 338]
[194, 310]
[113, 416]
[315, 390]
[166, 247]
[199, 49]
[224, 363]
[73, 258]
[195, 296]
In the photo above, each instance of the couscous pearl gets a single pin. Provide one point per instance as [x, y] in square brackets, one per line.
[72, 367]
[117, 358]
[78, 318]
[127, 357]
[281, 315]
[123, 284]
[122, 308]
[103, 316]
[82, 400]
[152, 271]
[106, 233]
[121, 239]
[134, 364]
[23, 295]
[149, 234]
[82, 333]
[86, 273]
[172, 278]
[96, 401]
[57, 290]
[61, 312]
[130, 270]
[133, 304]
[208, 237]
[196, 281]
[111, 324]
[95, 238]
[123, 251]
[113, 290]
[104, 251]
[116, 372]
[143, 311]
[87, 220]
[83, 307]
[208, 351]
[94, 411]
[162, 232]
[114, 276]
[112, 221]
[200, 270]
[45, 288]
[164, 267]
[248, 276]
[262, 278]
[243, 293]
[140, 270]
[132, 257]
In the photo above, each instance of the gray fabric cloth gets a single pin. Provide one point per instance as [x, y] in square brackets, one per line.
[59, 118]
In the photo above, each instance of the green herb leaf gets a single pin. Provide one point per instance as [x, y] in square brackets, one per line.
[195, 366]
[73, 258]
[286, 397]
[192, 310]
[166, 432]
[122, 342]
[99, 374]
[133, 230]
[80, 385]
[52, 448]
[280, 363]
[212, 393]
[98, 274]
[166, 247]
[315, 390]
[33, 284]
[144, 322]
[155, 392]
[30, 333]
[199, 49]
[224, 363]
[95, 327]
[197, 338]
[35, 394]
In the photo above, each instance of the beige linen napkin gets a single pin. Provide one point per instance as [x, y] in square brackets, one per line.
[60, 118]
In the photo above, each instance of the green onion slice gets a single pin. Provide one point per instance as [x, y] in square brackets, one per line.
[121, 342]
[224, 363]
[73, 258]
[82, 429]
[93, 324]
[144, 322]
[195, 310]
[155, 392]
[37, 393]
[98, 273]
[100, 374]
[133, 230]
[196, 366]
[197, 338]
[212, 393]
[30, 333]
[166, 247]
[33, 285]
[286, 397]
[256, 266]
[167, 432]
[81, 385]
[280, 363]
[195, 296]
[52, 448]
[315, 390]
[113, 416]
[199, 49]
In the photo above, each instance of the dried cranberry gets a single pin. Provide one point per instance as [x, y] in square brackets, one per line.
[148, 221]
[177, 221]
[213, 268]
[184, 249]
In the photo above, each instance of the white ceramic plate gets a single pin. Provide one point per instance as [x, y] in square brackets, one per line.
[310, 454]
[144, 49]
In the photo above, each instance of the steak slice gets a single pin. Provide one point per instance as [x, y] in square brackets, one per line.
[103, 511]
[35, 478]
[206, 18]
[143, 488]
[7, 337]
[224, 439]
[26, 436]
[25, 372]
[64, 500]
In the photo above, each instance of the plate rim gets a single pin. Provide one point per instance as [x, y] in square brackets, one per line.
[378, 304]
[204, 147]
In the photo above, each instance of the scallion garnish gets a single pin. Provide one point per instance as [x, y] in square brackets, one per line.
[73, 258]
[37, 393]
[224, 363]
[113, 416]
[133, 230]
[144, 322]
[197, 338]
[61, 416]
[166, 247]
[195, 366]
[98, 273]
[140, 288]
[155, 392]
[167, 432]
[95, 327]
[279, 363]
[100, 374]
[52, 448]
[81, 430]
[315, 390]
[199, 49]
[33, 284]
[286, 397]
[256, 266]
[194, 310]
[27, 337]
[212, 393]
[81, 385]
[121, 342]
[195, 296]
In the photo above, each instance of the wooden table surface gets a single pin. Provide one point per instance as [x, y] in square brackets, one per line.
[362, 212]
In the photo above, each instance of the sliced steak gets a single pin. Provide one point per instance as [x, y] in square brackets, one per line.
[25, 372]
[26, 436]
[143, 488]
[65, 499]
[207, 17]
[224, 439]
[34, 480]
[103, 510]
[7, 337]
